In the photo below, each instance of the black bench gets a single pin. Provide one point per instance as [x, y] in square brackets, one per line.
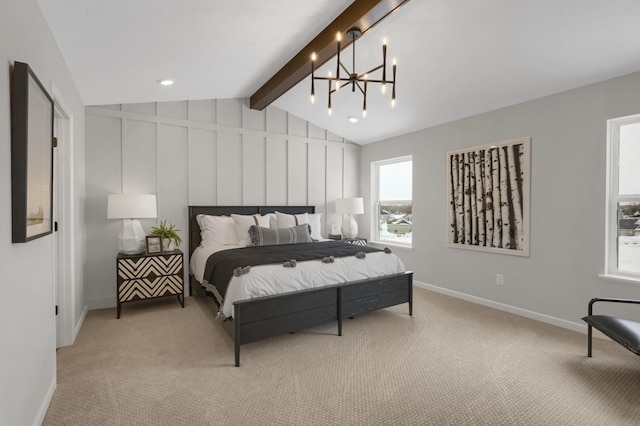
[623, 331]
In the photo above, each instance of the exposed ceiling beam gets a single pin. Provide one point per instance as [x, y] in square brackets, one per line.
[363, 14]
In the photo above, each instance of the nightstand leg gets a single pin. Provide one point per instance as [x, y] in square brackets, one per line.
[411, 296]
[118, 316]
[181, 300]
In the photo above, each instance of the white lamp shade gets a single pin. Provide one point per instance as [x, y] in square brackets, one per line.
[350, 205]
[131, 206]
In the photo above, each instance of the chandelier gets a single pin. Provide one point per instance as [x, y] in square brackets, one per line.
[354, 79]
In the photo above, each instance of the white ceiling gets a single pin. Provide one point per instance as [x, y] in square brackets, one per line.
[455, 58]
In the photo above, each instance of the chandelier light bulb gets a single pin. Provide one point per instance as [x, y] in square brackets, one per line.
[337, 84]
[393, 103]
[384, 41]
[338, 36]
[329, 111]
[383, 88]
[313, 99]
[313, 57]
[364, 113]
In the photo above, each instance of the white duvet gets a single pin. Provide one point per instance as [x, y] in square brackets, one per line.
[266, 280]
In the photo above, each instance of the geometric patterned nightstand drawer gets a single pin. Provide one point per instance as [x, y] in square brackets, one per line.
[357, 241]
[148, 288]
[145, 276]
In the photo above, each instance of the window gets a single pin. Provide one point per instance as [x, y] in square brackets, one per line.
[393, 198]
[623, 189]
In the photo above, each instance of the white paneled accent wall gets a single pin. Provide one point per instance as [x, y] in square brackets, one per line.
[211, 152]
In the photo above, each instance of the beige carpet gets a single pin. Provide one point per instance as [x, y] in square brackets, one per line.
[452, 363]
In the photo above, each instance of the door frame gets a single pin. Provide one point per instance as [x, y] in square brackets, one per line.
[64, 246]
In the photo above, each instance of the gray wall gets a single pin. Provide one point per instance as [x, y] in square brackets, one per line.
[27, 321]
[215, 152]
[568, 181]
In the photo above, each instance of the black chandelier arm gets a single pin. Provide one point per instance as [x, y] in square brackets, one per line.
[345, 68]
[394, 76]
[384, 61]
[393, 88]
[364, 99]
[371, 71]
[357, 83]
[376, 81]
[341, 79]
[348, 80]
[360, 87]
[338, 62]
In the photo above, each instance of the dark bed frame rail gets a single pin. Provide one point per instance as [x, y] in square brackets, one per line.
[257, 319]
[260, 318]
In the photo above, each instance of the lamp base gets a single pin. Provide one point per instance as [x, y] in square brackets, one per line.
[131, 238]
[349, 226]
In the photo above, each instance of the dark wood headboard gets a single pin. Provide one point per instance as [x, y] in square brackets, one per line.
[194, 229]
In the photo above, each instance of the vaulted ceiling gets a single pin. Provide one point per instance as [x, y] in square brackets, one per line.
[455, 58]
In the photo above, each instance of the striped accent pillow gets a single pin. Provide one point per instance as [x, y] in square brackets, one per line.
[261, 236]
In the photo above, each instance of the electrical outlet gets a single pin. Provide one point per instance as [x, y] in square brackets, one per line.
[499, 279]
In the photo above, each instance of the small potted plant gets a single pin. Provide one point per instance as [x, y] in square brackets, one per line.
[169, 234]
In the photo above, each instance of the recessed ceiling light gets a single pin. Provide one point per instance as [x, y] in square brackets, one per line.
[166, 81]
[353, 119]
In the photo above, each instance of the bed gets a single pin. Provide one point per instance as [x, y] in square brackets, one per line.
[262, 317]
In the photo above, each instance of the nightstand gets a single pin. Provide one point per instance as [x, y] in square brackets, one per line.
[357, 241]
[147, 276]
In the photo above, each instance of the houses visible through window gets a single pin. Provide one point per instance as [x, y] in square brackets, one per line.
[392, 194]
[623, 212]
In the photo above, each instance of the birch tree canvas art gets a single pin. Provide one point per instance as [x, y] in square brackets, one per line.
[488, 197]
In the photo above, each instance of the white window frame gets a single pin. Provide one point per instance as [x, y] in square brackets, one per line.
[613, 198]
[375, 193]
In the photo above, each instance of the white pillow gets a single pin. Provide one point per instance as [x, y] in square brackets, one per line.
[273, 220]
[315, 224]
[244, 222]
[217, 230]
[290, 220]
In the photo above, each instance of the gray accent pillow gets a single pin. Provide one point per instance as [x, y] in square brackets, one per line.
[270, 237]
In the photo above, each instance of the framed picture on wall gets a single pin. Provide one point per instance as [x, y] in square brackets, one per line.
[31, 156]
[488, 197]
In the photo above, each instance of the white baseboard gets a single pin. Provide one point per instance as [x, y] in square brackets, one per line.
[101, 303]
[581, 328]
[44, 406]
[76, 329]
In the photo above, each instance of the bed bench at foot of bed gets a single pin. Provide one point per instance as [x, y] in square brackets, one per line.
[260, 318]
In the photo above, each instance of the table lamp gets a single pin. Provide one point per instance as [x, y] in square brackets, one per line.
[130, 208]
[348, 207]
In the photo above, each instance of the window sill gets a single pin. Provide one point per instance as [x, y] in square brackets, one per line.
[390, 244]
[621, 278]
